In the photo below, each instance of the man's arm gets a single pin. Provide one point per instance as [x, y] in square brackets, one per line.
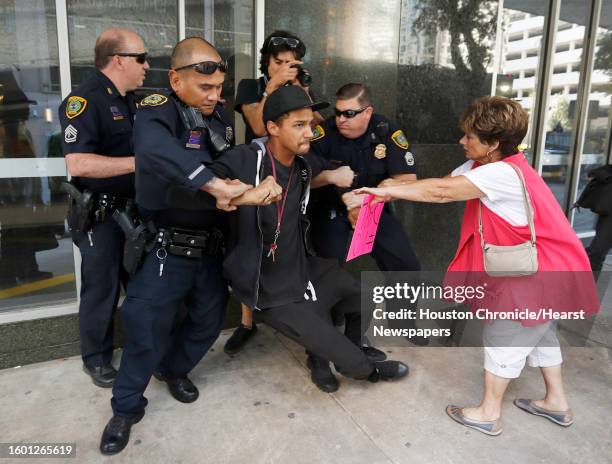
[341, 177]
[98, 166]
[253, 113]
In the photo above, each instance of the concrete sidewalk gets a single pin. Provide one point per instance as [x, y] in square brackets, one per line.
[260, 407]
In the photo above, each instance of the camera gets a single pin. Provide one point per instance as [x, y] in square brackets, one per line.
[303, 76]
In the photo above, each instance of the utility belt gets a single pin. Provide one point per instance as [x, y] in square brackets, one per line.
[143, 236]
[86, 208]
[190, 243]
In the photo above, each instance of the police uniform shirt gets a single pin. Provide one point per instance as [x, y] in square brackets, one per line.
[96, 118]
[169, 155]
[373, 156]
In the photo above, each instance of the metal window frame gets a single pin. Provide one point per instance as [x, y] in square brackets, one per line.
[259, 33]
[542, 91]
[579, 125]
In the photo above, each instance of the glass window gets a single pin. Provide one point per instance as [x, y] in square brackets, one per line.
[346, 41]
[437, 82]
[524, 19]
[228, 25]
[153, 20]
[594, 150]
[36, 259]
[556, 160]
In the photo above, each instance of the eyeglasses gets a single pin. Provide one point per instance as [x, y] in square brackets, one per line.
[348, 114]
[207, 67]
[289, 41]
[140, 57]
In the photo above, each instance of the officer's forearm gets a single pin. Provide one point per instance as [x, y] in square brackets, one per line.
[98, 166]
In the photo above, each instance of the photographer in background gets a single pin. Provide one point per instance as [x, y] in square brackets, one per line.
[280, 65]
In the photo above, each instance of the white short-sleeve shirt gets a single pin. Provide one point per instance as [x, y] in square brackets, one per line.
[502, 188]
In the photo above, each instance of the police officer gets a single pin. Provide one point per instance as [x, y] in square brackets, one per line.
[97, 119]
[176, 136]
[376, 149]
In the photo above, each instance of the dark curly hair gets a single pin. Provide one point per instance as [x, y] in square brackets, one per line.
[268, 50]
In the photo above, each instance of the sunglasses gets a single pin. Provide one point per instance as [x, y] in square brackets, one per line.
[140, 57]
[206, 67]
[290, 42]
[348, 114]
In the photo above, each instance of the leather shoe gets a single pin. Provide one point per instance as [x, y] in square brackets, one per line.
[388, 370]
[103, 376]
[373, 354]
[183, 389]
[238, 339]
[321, 374]
[116, 434]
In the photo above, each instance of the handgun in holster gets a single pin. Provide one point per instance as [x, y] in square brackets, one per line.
[136, 238]
[80, 210]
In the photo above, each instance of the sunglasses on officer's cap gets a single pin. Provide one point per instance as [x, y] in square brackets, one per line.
[141, 58]
[206, 67]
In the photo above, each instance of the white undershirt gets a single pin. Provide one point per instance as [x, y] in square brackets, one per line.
[502, 188]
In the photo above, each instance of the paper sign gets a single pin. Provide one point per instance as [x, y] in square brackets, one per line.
[365, 229]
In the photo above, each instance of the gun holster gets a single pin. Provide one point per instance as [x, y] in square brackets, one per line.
[80, 210]
[136, 239]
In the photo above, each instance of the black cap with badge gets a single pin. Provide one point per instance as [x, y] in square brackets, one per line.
[288, 98]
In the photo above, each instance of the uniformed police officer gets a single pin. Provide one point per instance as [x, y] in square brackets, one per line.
[176, 136]
[376, 149]
[97, 119]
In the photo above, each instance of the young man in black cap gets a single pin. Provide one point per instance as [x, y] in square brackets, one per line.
[269, 261]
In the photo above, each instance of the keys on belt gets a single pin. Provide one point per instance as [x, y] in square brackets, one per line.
[187, 243]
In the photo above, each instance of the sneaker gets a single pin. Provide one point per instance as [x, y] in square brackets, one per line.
[238, 339]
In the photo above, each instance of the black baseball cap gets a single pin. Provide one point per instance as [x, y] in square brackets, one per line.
[288, 98]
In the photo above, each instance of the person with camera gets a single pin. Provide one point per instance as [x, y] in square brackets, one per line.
[280, 65]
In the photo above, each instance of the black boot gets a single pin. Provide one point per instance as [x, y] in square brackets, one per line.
[116, 434]
[182, 389]
[238, 339]
[388, 370]
[101, 376]
[321, 374]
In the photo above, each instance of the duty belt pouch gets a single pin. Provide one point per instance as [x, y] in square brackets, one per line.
[511, 261]
[80, 210]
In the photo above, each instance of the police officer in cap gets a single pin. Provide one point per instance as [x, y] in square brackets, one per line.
[97, 119]
[177, 135]
[376, 149]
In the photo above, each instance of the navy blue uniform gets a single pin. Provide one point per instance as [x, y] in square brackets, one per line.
[170, 155]
[95, 118]
[377, 155]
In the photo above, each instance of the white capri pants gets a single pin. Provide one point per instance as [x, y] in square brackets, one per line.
[508, 344]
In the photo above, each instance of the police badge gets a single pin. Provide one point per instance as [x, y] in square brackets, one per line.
[381, 151]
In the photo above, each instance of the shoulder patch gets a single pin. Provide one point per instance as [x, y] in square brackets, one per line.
[155, 99]
[400, 139]
[75, 106]
[317, 133]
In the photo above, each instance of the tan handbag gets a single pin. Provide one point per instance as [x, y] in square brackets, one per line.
[516, 260]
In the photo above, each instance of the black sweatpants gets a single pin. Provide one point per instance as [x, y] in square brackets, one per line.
[310, 322]
[602, 242]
